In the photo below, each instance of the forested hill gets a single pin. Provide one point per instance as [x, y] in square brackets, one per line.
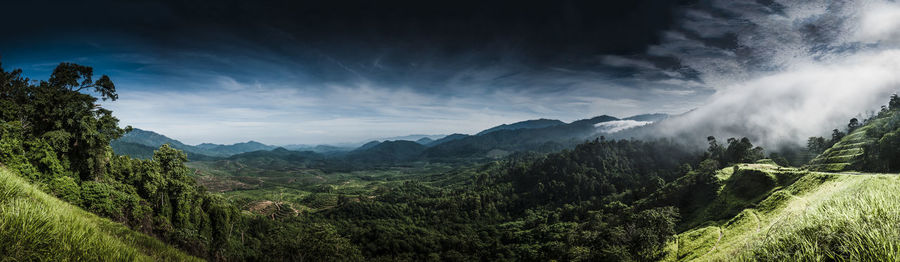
[542, 136]
[501, 143]
[871, 144]
[599, 200]
[528, 124]
[388, 152]
[57, 139]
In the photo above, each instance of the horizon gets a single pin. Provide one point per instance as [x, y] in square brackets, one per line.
[401, 130]
[379, 139]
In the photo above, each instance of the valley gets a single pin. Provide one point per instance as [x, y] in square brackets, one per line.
[382, 131]
[533, 190]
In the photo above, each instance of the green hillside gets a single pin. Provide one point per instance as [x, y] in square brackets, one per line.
[846, 152]
[820, 216]
[873, 146]
[39, 227]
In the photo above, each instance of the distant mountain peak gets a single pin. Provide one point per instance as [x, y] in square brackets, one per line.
[527, 124]
[424, 140]
[368, 145]
[448, 138]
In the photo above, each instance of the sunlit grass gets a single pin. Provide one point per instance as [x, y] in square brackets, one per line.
[37, 227]
[821, 216]
[857, 221]
[845, 152]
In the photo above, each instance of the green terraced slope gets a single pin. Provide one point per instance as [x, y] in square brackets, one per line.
[35, 226]
[801, 216]
[845, 153]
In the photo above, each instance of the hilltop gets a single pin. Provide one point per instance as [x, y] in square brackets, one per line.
[528, 124]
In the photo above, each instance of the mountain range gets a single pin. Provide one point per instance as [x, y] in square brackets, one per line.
[138, 141]
[539, 135]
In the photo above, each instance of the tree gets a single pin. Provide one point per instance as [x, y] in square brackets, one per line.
[56, 112]
[715, 151]
[779, 159]
[853, 125]
[836, 136]
[67, 75]
[894, 104]
[707, 171]
[816, 145]
[741, 151]
[888, 151]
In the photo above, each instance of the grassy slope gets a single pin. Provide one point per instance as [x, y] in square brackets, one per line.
[35, 226]
[820, 216]
[845, 153]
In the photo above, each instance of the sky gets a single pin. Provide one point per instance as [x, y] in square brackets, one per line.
[317, 72]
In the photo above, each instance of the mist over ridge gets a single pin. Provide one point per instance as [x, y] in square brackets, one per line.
[796, 70]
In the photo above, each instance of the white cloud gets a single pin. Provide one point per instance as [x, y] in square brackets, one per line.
[803, 72]
[610, 127]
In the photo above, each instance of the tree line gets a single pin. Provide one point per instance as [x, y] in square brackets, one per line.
[603, 200]
[55, 134]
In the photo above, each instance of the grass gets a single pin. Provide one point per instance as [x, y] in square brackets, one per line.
[846, 152]
[35, 226]
[746, 186]
[820, 216]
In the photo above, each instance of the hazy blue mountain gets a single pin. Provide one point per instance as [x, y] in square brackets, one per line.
[155, 140]
[447, 139]
[368, 145]
[503, 142]
[280, 153]
[528, 124]
[216, 149]
[337, 148]
[541, 135]
[298, 147]
[207, 146]
[330, 149]
[424, 141]
[387, 152]
[150, 138]
[413, 137]
[141, 143]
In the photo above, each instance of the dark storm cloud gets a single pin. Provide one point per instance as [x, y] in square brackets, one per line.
[329, 67]
[376, 40]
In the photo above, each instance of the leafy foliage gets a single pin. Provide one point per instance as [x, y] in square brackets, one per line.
[621, 200]
[58, 138]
